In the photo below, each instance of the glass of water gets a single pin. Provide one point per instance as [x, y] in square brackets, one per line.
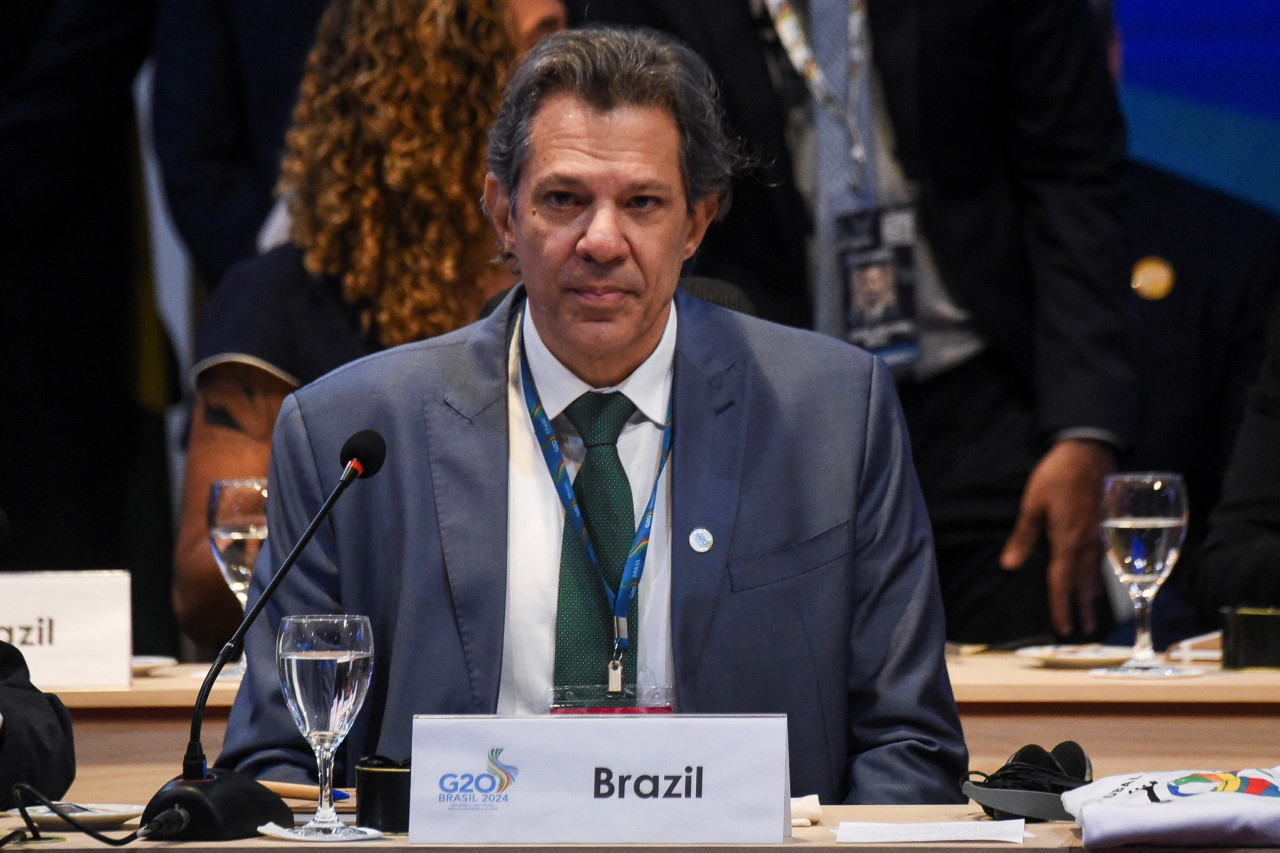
[1144, 520]
[325, 664]
[237, 528]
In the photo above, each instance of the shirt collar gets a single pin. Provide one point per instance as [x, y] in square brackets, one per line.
[648, 387]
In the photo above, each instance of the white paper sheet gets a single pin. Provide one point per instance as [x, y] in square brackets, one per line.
[860, 832]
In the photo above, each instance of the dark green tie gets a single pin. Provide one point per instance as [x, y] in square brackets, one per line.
[584, 624]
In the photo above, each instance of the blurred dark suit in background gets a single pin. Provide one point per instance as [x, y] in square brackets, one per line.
[226, 81]
[1198, 348]
[1239, 563]
[84, 482]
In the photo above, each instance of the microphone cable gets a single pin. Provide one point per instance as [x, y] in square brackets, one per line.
[168, 822]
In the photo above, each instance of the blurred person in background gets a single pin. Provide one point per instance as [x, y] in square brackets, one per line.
[997, 126]
[83, 372]
[385, 166]
[1205, 271]
[226, 81]
[1239, 565]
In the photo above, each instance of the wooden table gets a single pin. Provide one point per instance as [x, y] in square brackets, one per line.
[1041, 836]
[129, 742]
[1223, 720]
[1047, 836]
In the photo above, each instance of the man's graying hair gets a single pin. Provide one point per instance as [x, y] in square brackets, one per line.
[608, 67]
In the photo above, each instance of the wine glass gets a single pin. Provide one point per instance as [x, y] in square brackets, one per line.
[1144, 519]
[325, 664]
[237, 529]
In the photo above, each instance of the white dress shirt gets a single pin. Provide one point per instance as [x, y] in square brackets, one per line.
[535, 519]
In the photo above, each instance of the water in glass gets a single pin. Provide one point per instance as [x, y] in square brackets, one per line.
[236, 547]
[325, 663]
[237, 517]
[1144, 519]
[324, 691]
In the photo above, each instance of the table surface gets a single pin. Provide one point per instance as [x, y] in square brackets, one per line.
[1220, 720]
[130, 741]
[1058, 835]
[1004, 677]
[170, 687]
[1050, 836]
[986, 678]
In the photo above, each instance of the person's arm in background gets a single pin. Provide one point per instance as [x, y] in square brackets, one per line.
[1069, 149]
[36, 744]
[1061, 501]
[235, 411]
[1238, 564]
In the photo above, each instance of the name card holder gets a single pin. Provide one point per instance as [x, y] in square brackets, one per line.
[612, 779]
[73, 628]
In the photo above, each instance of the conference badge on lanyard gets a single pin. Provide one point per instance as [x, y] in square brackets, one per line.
[613, 696]
[876, 255]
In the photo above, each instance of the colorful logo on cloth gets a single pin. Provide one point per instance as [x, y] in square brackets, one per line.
[504, 773]
[1226, 783]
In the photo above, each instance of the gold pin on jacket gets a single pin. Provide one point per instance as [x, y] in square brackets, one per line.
[1152, 278]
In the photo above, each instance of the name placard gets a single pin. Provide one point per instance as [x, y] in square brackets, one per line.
[73, 628]
[609, 779]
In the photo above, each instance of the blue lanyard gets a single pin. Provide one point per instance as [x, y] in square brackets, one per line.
[619, 603]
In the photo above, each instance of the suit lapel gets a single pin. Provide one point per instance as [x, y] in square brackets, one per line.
[467, 434]
[711, 386]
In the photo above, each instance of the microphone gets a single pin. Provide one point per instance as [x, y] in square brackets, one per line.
[365, 452]
[219, 804]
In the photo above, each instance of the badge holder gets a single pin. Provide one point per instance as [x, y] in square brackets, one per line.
[876, 254]
[599, 699]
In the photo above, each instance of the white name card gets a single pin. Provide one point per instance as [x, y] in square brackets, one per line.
[599, 779]
[74, 628]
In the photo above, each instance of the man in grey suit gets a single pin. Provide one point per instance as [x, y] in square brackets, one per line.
[789, 567]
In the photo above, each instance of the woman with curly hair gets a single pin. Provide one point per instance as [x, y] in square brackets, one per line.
[384, 167]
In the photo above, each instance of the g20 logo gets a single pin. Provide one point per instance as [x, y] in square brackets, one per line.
[497, 778]
[469, 783]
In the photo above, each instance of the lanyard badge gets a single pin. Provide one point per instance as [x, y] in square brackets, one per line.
[875, 250]
[874, 244]
[633, 568]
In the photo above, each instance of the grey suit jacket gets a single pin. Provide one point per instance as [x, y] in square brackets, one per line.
[818, 599]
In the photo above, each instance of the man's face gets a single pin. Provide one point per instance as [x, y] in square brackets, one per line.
[534, 19]
[600, 227]
[876, 285]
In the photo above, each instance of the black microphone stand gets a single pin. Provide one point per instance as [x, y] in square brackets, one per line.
[221, 804]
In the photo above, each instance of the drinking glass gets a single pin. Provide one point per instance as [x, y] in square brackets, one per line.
[1144, 519]
[237, 529]
[325, 664]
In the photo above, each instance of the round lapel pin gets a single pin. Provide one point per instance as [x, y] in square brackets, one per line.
[701, 540]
